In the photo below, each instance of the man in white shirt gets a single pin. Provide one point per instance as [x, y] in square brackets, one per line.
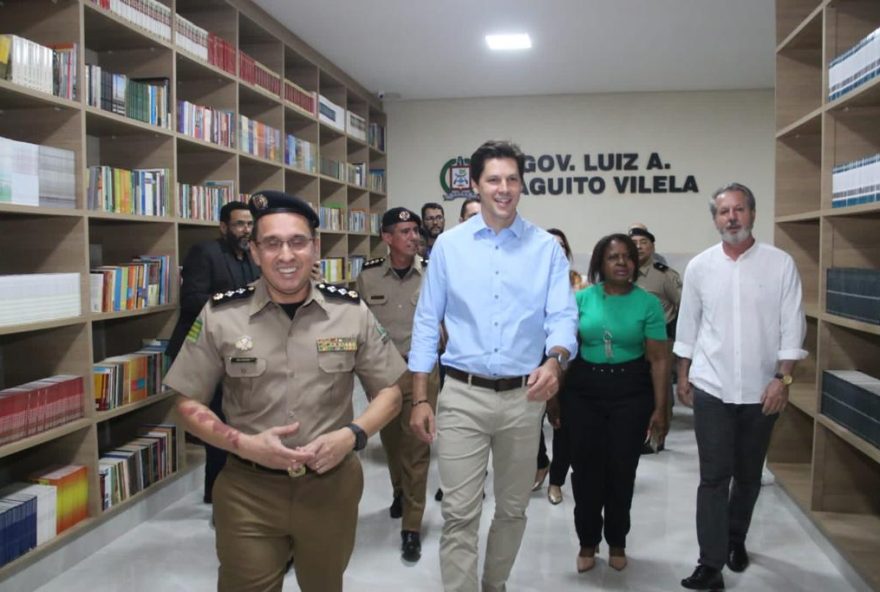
[740, 333]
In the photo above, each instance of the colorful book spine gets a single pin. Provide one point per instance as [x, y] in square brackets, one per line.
[299, 97]
[203, 202]
[144, 192]
[206, 123]
[259, 139]
[137, 285]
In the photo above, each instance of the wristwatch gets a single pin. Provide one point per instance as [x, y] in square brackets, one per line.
[786, 379]
[561, 358]
[360, 436]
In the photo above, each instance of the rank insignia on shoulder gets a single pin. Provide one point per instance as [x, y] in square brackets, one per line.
[374, 262]
[229, 296]
[339, 293]
[660, 267]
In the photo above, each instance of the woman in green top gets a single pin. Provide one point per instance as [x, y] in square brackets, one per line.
[616, 392]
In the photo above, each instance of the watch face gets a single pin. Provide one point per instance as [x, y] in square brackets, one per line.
[787, 380]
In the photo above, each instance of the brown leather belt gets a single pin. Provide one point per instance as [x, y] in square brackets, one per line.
[498, 385]
[259, 467]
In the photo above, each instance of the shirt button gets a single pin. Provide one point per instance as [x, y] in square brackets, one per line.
[496, 296]
[496, 350]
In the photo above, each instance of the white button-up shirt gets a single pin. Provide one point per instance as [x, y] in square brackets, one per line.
[738, 318]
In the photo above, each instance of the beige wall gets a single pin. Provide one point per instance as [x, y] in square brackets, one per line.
[714, 136]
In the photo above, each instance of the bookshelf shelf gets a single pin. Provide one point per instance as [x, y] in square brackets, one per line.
[84, 238]
[830, 471]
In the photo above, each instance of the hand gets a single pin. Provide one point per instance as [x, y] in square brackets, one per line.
[658, 427]
[554, 413]
[774, 398]
[315, 274]
[685, 392]
[267, 449]
[421, 422]
[327, 450]
[543, 382]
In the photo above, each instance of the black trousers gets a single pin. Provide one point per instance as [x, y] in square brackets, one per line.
[561, 462]
[732, 442]
[215, 458]
[607, 411]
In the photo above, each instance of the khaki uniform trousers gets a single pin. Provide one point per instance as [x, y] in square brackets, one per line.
[408, 457]
[262, 518]
[471, 422]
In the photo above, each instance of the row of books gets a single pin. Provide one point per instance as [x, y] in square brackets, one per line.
[331, 217]
[39, 405]
[259, 139]
[855, 183]
[332, 168]
[355, 266]
[376, 136]
[143, 99]
[300, 97]
[358, 220]
[301, 154]
[205, 45]
[131, 468]
[206, 123]
[27, 518]
[375, 224]
[356, 173]
[150, 15]
[139, 191]
[331, 113]
[39, 297]
[36, 175]
[333, 269]
[45, 69]
[122, 380]
[143, 282]
[356, 126]
[203, 202]
[853, 293]
[854, 67]
[852, 399]
[253, 72]
[376, 181]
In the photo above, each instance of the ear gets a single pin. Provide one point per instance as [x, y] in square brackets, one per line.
[386, 238]
[255, 252]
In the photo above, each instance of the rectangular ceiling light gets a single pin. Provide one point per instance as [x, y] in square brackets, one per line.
[509, 42]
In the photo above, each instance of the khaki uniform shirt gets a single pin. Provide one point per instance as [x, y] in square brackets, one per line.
[663, 282]
[277, 370]
[392, 300]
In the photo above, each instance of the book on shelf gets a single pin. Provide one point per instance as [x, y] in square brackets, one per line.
[48, 69]
[355, 266]
[143, 192]
[357, 220]
[376, 180]
[143, 282]
[332, 168]
[853, 293]
[299, 97]
[331, 113]
[356, 173]
[128, 378]
[203, 202]
[375, 224]
[37, 175]
[301, 154]
[204, 45]
[856, 183]
[72, 493]
[852, 399]
[149, 15]
[331, 217]
[355, 126]
[142, 99]
[38, 297]
[34, 407]
[206, 123]
[128, 469]
[259, 139]
[18, 526]
[376, 136]
[253, 72]
[333, 269]
[855, 67]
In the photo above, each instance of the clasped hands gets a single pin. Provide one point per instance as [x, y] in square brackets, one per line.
[320, 455]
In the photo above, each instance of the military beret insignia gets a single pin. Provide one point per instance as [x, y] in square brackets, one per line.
[260, 202]
[229, 296]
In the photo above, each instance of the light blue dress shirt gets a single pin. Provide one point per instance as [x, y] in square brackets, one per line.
[505, 299]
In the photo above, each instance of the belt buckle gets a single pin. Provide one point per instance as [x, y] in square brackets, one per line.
[294, 473]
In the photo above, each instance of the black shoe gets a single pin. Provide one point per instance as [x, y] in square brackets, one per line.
[396, 509]
[411, 546]
[704, 578]
[646, 448]
[737, 558]
[439, 495]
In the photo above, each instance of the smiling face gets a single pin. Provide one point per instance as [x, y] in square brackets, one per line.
[618, 266]
[285, 250]
[402, 240]
[734, 218]
[499, 188]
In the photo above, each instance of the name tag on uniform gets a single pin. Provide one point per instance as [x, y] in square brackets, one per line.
[337, 344]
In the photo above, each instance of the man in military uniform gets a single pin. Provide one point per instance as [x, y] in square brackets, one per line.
[390, 287]
[286, 349]
[663, 282]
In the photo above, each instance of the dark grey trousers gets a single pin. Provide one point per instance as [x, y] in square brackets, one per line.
[732, 441]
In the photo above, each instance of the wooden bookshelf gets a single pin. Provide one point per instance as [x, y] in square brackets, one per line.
[75, 239]
[832, 473]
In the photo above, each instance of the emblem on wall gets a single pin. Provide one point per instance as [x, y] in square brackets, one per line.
[455, 179]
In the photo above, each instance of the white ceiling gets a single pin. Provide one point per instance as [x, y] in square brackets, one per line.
[418, 49]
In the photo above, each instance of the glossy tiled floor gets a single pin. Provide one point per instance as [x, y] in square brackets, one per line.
[174, 551]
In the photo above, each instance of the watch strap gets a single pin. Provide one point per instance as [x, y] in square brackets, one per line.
[360, 436]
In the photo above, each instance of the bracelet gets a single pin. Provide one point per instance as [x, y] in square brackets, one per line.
[415, 403]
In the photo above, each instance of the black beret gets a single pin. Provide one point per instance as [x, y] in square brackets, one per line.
[395, 215]
[642, 232]
[278, 202]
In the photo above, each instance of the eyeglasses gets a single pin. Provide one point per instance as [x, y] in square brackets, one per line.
[433, 218]
[274, 245]
[242, 224]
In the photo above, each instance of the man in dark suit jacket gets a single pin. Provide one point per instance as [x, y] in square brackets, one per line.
[210, 267]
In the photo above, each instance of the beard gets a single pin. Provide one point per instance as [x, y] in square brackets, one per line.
[237, 244]
[735, 238]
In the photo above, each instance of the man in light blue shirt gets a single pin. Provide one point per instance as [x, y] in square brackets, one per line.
[500, 285]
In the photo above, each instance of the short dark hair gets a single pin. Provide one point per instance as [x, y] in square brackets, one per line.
[468, 200]
[423, 233]
[750, 197]
[595, 274]
[226, 211]
[431, 206]
[496, 149]
[565, 246]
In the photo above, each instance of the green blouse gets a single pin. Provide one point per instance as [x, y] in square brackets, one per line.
[625, 320]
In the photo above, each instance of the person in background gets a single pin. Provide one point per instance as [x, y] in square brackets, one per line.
[510, 336]
[434, 222]
[558, 468]
[212, 267]
[641, 226]
[423, 243]
[469, 207]
[740, 333]
[615, 391]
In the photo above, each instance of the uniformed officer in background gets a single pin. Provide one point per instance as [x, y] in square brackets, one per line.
[286, 349]
[663, 282]
[390, 287]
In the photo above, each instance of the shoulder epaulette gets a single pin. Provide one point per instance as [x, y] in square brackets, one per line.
[339, 293]
[424, 261]
[374, 262]
[229, 296]
[660, 267]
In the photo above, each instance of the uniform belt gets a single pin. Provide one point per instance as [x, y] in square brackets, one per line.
[259, 467]
[498, 384]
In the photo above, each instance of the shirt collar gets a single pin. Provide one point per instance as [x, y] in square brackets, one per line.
[517, 228]
[262, 298]
[416, 267]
